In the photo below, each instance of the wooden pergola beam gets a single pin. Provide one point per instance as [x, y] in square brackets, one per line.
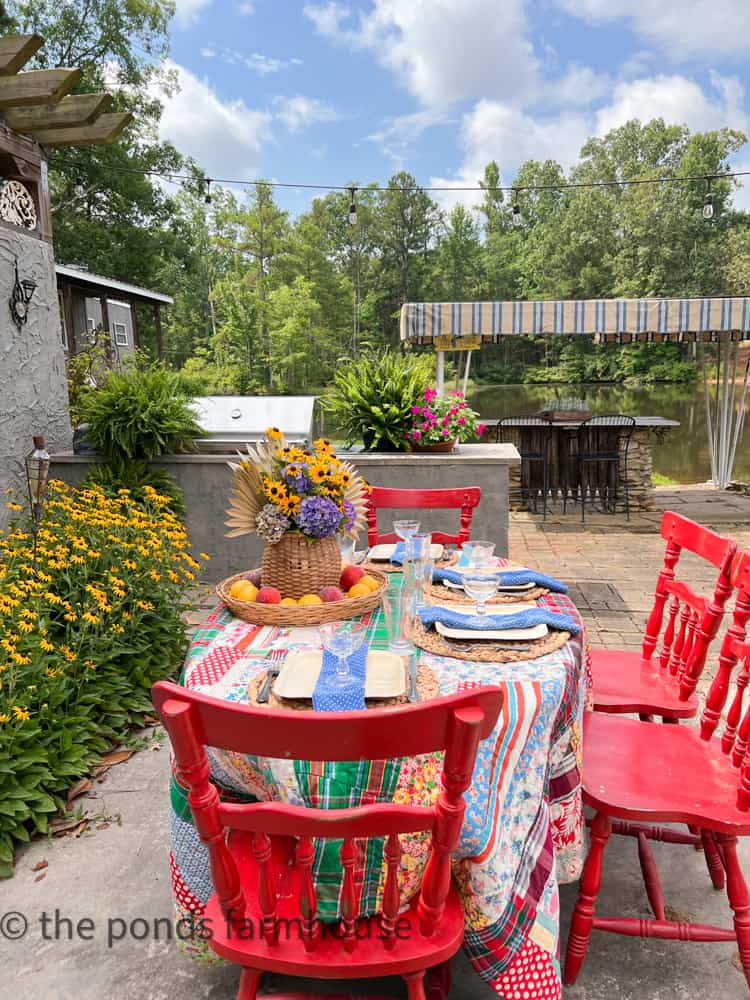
[39, 86]
[16, 50]
[105, 129]
[72, 111]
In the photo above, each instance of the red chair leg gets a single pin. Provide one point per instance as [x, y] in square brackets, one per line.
[249, 980]
[583, 914]
[439, 981]
[713, 859]
[739, 900]
[414, 985]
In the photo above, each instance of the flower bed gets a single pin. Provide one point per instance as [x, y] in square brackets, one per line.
[81, 641]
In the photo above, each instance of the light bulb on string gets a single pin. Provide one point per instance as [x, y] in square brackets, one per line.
[78, 189]
[352, 207]
[207, 195]
[516, 214]
[708, 207]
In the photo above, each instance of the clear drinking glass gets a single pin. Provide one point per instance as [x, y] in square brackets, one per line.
[481, 588]
[426, 567]
[342, 639]
[479, 553]
[405, 529]
[419, 545]
[399, 608]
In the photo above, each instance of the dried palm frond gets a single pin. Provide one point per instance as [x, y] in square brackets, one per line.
[357, 493]
[246, 497]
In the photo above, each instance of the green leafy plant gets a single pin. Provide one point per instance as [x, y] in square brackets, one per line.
[82, 640]
[139, 413]
[372, 396]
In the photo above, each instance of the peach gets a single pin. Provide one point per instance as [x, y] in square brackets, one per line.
[309, 599]
[288, 602]
[268, 595]
[359, 590]
[350, 576]
[370, 582]
[329, 594]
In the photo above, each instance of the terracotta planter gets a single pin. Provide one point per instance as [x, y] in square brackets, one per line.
[299, 565]
[434, 447]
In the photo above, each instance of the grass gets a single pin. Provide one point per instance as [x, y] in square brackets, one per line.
[659, 480]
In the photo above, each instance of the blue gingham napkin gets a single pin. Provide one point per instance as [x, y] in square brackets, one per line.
[328, 697]
[506, 578]
[519, 619]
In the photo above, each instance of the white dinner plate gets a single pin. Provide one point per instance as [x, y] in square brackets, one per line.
[383, 552]
[518, 588]
[533, 632]
[385, 676]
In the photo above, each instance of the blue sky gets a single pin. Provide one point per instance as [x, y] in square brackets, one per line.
[331, 92]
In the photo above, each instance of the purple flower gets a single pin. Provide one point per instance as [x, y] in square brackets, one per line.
[350, 515]
[294, 476]
[318, 517]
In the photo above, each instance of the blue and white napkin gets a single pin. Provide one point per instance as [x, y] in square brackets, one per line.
[329, 697]
[480, 623]
[506, 578]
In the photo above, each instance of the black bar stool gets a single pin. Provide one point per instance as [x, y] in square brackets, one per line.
[534, 442]
[603, 443]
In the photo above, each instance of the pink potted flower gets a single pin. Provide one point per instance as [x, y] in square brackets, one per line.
[443, 422]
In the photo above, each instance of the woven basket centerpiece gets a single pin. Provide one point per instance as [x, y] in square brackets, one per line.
[297, 565]
[300, 501]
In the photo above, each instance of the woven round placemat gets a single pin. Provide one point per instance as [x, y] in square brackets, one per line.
[427, 687]
[432, 642]
[441, 593]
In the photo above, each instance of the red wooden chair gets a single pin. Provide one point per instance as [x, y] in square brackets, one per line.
[626, 681]
[636, 774]
[249, 925]
[464, 499]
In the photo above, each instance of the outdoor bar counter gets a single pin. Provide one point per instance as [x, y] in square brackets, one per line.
[647, 432]
[206, 479]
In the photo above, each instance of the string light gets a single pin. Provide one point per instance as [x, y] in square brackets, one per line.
[207, 195]
[516, 216]
[708, 203]
[352, 207]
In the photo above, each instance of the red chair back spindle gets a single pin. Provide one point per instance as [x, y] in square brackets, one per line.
[692, 621]
[454, 724]
[464, 499]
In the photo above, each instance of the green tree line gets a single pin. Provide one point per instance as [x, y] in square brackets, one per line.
[267, 302]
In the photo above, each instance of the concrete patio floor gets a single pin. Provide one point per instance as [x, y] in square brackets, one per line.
[115, 874]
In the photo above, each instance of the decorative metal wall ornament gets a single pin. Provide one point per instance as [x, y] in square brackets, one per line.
[17, 205]
[20, 297]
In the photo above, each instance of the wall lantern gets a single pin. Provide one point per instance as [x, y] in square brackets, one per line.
[20, 297]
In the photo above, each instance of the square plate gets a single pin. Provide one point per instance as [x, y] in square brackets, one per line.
[385, 675]
[533, 632]
[383, 552]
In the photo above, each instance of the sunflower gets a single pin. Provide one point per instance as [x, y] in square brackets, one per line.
[274, 434]
[290, 504]
[274, 490]
[318, 474]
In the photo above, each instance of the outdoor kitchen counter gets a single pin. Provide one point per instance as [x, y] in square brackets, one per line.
[205, 481]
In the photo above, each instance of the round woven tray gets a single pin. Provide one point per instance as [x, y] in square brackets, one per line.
[309, 614]
[441, 593]
[432, 642]
[427, 687]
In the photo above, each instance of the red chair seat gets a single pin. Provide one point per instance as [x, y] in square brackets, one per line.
[244, 944]
[625, 682]
[638, 771]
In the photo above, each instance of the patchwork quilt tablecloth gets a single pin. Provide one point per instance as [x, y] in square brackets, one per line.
[524, 828]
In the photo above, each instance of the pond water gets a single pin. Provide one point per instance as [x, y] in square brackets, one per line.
[683, 455]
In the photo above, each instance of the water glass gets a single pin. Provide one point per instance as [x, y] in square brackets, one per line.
[479, 553]
[346, 548]
[342, 639]
[419, 545]
[399, 610]
[405, 529]
[481, 588]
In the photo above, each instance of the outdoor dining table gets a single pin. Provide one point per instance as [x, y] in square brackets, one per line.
[523, 833]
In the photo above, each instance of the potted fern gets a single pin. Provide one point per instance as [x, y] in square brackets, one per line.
[372, 397]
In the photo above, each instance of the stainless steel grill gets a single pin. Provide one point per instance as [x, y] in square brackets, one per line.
[230, 421]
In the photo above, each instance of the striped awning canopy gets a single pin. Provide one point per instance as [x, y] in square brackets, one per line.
[610, 320]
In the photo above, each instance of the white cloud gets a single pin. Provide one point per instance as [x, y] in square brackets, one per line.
[208, 53]
[685, 28]
[579, 86]
[398, 135]
[225, 138]
[188, 11]
[256, 61]
[299, 112]
[246, 9]
[443, 51]
[678, 100]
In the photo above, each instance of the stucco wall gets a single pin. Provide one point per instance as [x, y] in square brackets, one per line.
[33, 389]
